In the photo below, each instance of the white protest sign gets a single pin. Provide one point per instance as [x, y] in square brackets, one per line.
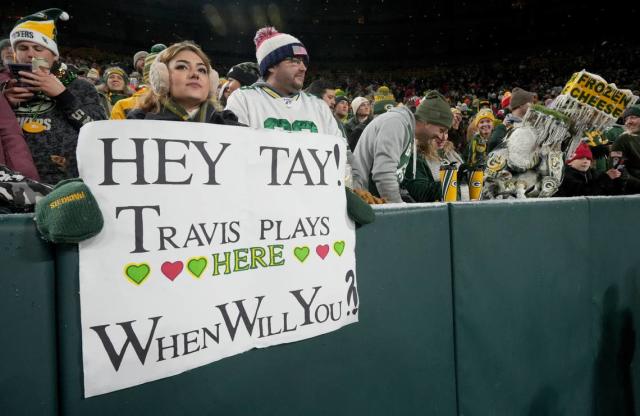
[216, 240]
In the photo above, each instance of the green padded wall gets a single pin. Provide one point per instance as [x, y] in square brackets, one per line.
[543, 298]
[27, 318]
[615, 272]
[522, 307]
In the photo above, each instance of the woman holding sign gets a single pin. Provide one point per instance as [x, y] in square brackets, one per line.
[182, 86]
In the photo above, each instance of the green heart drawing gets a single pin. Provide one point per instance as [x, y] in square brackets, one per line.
[338, 247]
[137, 273]
[197, 265]
[301, 253]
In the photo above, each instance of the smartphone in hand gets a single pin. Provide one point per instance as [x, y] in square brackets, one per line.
[617, 160]
[15, 68]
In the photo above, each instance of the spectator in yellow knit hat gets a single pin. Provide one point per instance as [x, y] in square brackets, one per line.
[114, 88]
[477, 148]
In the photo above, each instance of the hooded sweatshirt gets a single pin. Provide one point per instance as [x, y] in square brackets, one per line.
[383, 153]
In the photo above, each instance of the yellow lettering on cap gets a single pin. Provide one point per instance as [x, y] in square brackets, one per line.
[56, 203]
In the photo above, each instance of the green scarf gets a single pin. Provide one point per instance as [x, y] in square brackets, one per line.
[114, 97]
[179, 111]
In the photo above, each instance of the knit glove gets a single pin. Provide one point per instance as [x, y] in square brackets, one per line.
[359, 211]
[69, 214]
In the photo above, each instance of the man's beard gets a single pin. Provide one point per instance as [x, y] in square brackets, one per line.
[633, 130]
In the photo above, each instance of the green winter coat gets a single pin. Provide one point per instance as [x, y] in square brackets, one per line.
[629, 145]
[422, 188]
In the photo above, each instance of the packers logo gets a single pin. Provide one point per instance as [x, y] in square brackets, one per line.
[477, 184]
[35, 109]
[388, 107]
[496, 163]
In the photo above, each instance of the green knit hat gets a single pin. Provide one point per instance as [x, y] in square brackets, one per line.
[69, 214]
[612, 133]
[149, 59]
[39, 28]
[115, 70]
[633, 110]
[434, 109]
[383, 100]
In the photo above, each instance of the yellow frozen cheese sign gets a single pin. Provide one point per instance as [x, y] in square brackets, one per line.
[595, 92]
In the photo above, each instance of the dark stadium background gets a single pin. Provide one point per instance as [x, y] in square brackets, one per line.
[341, 33]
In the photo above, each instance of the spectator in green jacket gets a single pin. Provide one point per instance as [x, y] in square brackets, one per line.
[423, 186]
[627, 147]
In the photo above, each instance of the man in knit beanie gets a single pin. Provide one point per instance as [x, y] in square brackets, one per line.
[138, 61]
[520, 97]
[278, 101]
[240, 75]
[56, 104]
[362, 116]
[387, 145]
[627, 147]
[341, 108]
[519, 102]
[243, 74]
[631, 117]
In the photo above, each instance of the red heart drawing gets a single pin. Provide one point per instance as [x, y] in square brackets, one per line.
[322, 250]
[171, 270]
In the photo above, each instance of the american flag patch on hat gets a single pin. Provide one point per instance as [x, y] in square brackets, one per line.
[299, 50]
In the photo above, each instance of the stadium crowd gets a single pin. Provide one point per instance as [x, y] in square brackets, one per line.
[404, 129]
